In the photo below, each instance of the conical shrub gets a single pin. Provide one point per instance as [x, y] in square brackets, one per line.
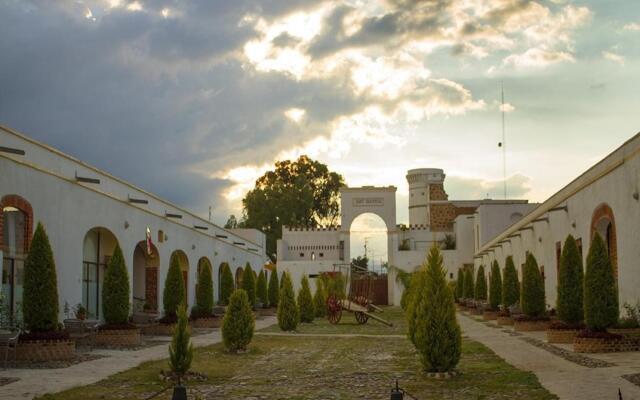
[238, 323]
[204, 294]
[249, 284]
[533, 296]
[274, 288]
[181, 348]
[481, 285]
[495, 286]
[437, 335]
[115, 290]
[416, 288]
[469, 285]
[305, 301]
[40, 285]
[174, 292]
[288, 316]
[460, 284]
[261, 289]
[600, 288]
[570, 284]
[510, 284]
[227, 284]
[320, 300]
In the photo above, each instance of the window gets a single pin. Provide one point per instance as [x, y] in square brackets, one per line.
[321, 255]
[14, 244]
[160, 236]
[301, 255]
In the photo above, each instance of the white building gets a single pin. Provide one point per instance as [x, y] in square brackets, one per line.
[86, 212]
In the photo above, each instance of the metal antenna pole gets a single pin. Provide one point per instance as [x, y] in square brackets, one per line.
[504, 144]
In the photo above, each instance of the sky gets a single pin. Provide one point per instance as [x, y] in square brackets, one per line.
[193, 100]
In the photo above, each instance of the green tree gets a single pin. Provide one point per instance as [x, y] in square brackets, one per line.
[570, 284]
[460, 284]
[481, 285]
[249, 284]
[232, 222]
[510, 284]
[437, 335]
[495, 287]
[274, 288]
[227, 284]
[305, 301]
[320, 300]
[115, 290]
[238, 323]
[469, 286]
[296, 193]
[416, 289]
[600, 288]
[204, 294]
[181, 348]
[174, 291]
[361, 261]
[533, 296]
[288, 315]
[40, 285]
[261, 289]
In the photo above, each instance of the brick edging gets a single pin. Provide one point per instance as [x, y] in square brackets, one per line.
[601, 345]
[46, 350]
[118, 337]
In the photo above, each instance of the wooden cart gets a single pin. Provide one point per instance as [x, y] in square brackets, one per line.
[359, 283]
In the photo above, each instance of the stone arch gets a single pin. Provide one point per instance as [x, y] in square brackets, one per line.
[98, 247]
[146, 264]
[604, 222]
[16, 227]
[183, 260]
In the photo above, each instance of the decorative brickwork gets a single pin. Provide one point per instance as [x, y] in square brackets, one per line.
[561, 335]
[442, 216]
[490, 315]
[46, 350]
[436, 192]
[600, 345]
[118, 338]
[23, 205]
[530, 326]
[603, 215]
[208, 323]
[504, 321]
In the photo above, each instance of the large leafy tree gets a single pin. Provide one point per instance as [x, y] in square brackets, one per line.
[300, 193]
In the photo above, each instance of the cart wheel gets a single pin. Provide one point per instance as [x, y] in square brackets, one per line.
[334, 310]
[361, 317]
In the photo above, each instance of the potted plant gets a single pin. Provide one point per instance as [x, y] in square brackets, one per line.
[534, 317]
[80, 312]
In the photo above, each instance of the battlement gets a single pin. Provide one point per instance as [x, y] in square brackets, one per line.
[420, 227]
[311, 229]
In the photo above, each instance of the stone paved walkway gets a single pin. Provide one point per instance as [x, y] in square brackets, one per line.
[330, 335]
[36, 382]
[567, 380]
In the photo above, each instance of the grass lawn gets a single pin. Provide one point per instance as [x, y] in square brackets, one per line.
[290, 367]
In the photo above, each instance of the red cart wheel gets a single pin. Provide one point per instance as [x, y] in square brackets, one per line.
[334, 310]
[361, 317]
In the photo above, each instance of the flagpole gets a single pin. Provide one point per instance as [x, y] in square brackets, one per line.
[504, 144]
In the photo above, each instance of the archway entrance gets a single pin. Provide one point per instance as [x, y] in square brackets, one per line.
[239, 273]
[604, 223]
[146, 262]
[98, 247]
[369, 241]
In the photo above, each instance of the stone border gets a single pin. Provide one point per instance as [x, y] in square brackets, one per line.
[530, 326]
[504, 321]
[568, 355]
[45, 350]
[608, 345]
[628, 333]
[490, 315]
[564, 336]
[206, 323]
[118, 337]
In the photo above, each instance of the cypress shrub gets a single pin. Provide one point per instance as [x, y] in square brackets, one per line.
[437, 333]
[238, 323]
[481, 285]
[181, 348]
[288, 316]
[416, 289]
[510, 284]
[305, 301]
[261, 289]
[115, 290]
[249, 284]
[495, 287]
[460, 284]
[570, 284]
[469, 287]
[404, 299]
[204, 294]
[174, 291]
[227, 284]
[274, 288]
[40, 285]
[600, 289]
[533, 296]
[320, 300]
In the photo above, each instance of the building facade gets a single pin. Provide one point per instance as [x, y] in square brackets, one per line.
[86, 212]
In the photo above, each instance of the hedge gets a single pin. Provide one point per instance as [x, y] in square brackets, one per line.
[261, 289]
[116, 291]
[174, 292]
[533, 296]
[495, 286]
[227, 284]
[510, 284]
[288, 316]
[469, 287]
[320, 300]
[569, 304]
[274, 288]
[305, 301]
[204, 294]
[238, 323]
[600, 289]
[249, 284]
[481, 285]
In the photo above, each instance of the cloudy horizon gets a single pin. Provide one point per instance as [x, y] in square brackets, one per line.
[193, 100]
